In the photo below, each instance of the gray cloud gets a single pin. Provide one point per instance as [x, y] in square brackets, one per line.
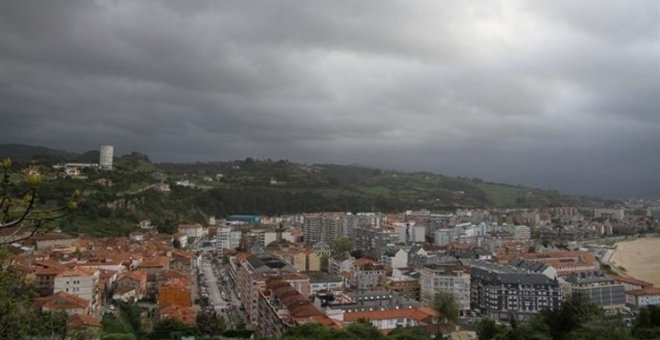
[557, 94]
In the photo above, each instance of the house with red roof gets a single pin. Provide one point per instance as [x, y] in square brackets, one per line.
[82, 282]
[630, 283]
[174, 292]
[649, 296]
[154, 266]
[389, 319]
[64, 302]
[135, 280]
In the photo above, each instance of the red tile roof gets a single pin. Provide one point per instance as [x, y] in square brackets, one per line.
[77, 321]
[135, 275]
[184, 314]
[645, 291]
[632, 281]
[49, 271]
[77, 271]
[175, 283]
[418, 314]
[155, 261]
[61, 301]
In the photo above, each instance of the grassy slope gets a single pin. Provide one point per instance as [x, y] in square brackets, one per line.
[501, 195]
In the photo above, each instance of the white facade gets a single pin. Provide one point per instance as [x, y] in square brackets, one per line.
[269, 237]
[77, 282]
[195, 230]
[327, 286]
[337, 266]
[444, 237]
[228, 238]
[643, 298]
[183, 239]
[616, 214]
[286, 235]
[521, 232]
[435, 279]
[410, 233]
[400, 259]
[105, 159]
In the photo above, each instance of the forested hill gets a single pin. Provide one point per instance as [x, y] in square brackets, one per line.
[114, 201]
[393, 190]
[28, 152]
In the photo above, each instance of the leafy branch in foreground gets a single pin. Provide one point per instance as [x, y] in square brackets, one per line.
[17, 207]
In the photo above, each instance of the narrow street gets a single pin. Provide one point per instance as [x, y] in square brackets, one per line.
[211, 282]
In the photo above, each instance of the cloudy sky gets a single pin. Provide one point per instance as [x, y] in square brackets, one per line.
[553, 94]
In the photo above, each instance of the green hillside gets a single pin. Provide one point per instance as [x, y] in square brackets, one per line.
[115, 201]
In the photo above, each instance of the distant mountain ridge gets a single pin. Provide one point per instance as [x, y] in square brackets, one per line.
[28, 152]
[389, 189]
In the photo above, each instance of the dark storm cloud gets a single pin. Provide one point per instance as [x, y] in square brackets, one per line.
[559, 94]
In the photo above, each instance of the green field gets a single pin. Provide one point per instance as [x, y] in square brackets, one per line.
[502, 195]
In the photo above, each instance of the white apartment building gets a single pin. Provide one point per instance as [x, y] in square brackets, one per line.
[615, 214]
[81, 282]
[449, 278]
[228, 238]
[193, 230]
[521, 232]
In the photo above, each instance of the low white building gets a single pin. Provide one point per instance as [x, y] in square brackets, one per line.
[643, 297]
[193, 230]
[182, 238]
[389, 319]
[324, 282]
[340, 263]
[400, 259]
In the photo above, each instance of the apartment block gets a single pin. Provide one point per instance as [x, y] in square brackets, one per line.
[499, 291]
[599, 289]
[451, 278]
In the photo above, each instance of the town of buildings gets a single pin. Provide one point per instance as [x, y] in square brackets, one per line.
[275, 273]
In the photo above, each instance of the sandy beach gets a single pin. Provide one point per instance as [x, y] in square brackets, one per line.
[640, 258]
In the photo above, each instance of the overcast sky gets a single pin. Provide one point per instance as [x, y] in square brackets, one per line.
[553, 94]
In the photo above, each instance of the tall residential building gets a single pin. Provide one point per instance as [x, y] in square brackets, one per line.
[611, 213]
[366, 274]
[445, 236]
[375, 241]
[105, 159]
[599, 289]
[450, 278]
[500, 291]
[521, 232]
[322, 228]
[228, 238]
[409, 233]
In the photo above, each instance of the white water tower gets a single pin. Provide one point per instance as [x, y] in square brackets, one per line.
[105, 160]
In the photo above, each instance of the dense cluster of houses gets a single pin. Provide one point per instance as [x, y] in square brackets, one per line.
[292, 270]
[83, 277]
